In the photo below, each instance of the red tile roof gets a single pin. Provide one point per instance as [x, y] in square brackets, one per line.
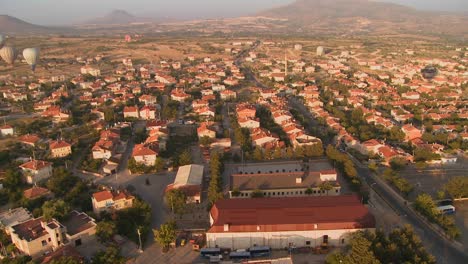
[35, 164]
[59, 144]
[290, 214]
[35, 192]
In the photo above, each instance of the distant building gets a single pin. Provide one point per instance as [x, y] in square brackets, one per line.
[111, 201]
[320, 51]
[287, 222]
[6, 130]
[189, 179]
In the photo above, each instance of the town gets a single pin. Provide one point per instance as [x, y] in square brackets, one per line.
[143, 149]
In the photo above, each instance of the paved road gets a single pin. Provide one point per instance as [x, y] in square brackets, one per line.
[443, 250]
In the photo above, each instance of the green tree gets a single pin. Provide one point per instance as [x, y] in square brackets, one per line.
[205, 141]
[397, 163]
[325, 186]
[176, 200]
[257, 194]
[57, 209]
[166, 234]
[185, 158]
[110, 256]
[66, 260]
[105, 231]
[360, 251]
[258, 154]
[457, 187]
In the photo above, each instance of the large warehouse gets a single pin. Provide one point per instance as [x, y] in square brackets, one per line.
[287, 222]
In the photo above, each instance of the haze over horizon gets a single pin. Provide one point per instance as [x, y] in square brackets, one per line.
[59, 12]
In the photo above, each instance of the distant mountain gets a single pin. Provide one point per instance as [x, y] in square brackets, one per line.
[116, 17]
[348, 16]
[13, 25]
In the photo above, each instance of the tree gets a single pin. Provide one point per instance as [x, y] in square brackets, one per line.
[105, 231]
[349, 169]
[176, 200]
[56, 209]
[258, 154]
[110, 256]
[257, 194]
[309, 191]
[205, 141]
[166, 234]
[360, 251]
[66, 260]
[185, 158]
[325, 186]
[457, 187]
[397, 163]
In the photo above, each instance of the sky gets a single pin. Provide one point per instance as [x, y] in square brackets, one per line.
[66, 12]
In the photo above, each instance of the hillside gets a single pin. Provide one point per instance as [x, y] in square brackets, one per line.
[355, 16]
[116, 17]
[9, 24]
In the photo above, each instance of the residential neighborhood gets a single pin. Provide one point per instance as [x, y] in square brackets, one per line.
[220, 147]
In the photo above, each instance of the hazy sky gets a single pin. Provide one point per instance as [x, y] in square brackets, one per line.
[56, 12]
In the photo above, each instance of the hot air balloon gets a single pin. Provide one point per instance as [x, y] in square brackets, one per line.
[2, 40]
[8, 54]
[31, 55]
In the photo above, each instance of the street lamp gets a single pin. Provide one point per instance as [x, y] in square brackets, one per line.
[140, 249]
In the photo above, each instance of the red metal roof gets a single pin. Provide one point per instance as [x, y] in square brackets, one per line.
[290, 214]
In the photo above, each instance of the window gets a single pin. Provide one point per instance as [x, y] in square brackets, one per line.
[44, 243]
[78, 242]
[282, 193]
[50, 239]
[336, 190]
[342, 241]
[325, 239]
[307, 243]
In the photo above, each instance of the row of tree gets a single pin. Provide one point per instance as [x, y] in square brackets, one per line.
[215, 188]
[400, 246]
[425, 205]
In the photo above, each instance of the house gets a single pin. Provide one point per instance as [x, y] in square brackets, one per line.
[6, 130]
[248, 122]
[29, 139]
[131, 112]
[287, 222]
[148, 112]
[411, 132]
[228, 94]
[148, 99]
[37, 236]
[205, 131]
[59, 149]
[111, 201]
[144, 155]
[189, 180]
[36, 170]
[35, 192]
[245, 111]
[13, 217]
[55, 113]
[90, 70]
[68, 252]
